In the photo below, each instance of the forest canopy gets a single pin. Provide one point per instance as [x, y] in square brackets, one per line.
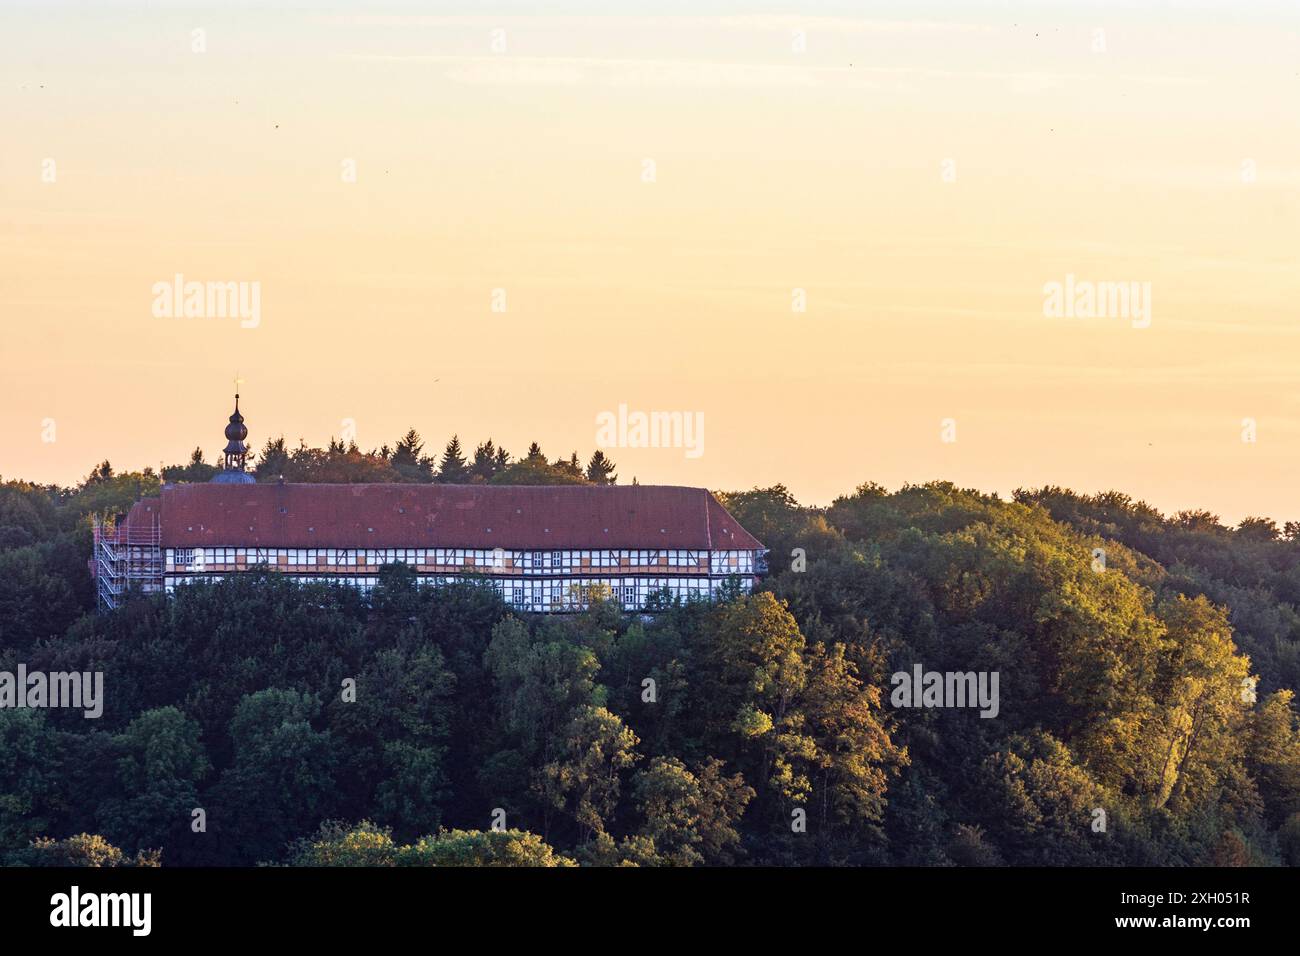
[1146, 666]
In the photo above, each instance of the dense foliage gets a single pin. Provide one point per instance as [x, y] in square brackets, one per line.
[1146, 671]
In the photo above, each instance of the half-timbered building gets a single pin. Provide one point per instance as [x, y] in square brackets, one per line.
[544, 548]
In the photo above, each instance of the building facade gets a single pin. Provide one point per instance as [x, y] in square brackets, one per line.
[551, 548]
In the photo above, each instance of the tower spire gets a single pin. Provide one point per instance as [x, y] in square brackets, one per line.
[236, 452]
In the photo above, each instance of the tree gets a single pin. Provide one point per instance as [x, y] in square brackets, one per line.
[1258, 529]
[32, 781]
[537, 471]
[337, 844]
[366, 844]
[600, 470]
[755, 671]
[84, 849]
[482, 848]
[34, 603]
[969, 847]
[485, 462]
[197, 470]
[1200, 706]
[452, 470]
[1231, 850]
[1288, 838]
[1205, 521]
[571, 467]
[1037, 804]
[409, 450]
[282, 779]
[583, 781]
[108, 493]
[1272, 754]
[691, 817]
[395, 733]
[408, 459]
[272, 461]
[160, 767]
[852, 756]
[540, 685]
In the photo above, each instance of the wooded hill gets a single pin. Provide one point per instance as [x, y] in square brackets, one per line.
[1146, 668]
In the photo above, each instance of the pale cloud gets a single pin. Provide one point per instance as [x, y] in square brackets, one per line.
[759, 23]
[509, 70]
[573, 71]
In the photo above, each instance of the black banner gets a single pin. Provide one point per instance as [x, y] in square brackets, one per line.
[526, 906]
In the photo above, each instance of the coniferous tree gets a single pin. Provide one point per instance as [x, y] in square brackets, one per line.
[408, 458]
[197, 470]
[453, 470]
[600, 470]
[272, 462]
[485, 462]
[570, 467]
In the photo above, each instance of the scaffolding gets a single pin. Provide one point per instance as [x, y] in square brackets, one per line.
[127, 555]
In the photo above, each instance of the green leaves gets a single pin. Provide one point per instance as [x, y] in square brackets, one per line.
[690, 737]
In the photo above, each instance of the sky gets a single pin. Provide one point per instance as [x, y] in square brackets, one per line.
[828, 231]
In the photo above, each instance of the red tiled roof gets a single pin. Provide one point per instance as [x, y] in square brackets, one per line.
[144, 513]
[519, 517]
[139, 525]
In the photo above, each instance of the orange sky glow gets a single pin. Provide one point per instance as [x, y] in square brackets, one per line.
[825, 230]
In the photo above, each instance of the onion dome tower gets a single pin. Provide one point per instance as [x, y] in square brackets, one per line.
[236, 453]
